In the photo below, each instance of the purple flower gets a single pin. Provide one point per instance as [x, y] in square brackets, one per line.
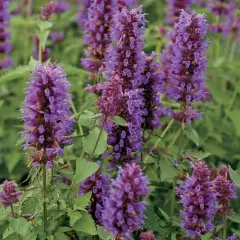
[9, 194]
[174, 9]
[226, 191]
[83, 11]
[124, 211]
[57, 37]
[61, 7]
[152, 85]
[46, 113]
[5, 45]
[98, 184]
[185, 76]
[233, 237]
[97, 29]
[125, 63]
[126, 3]
[47, 11]
[45, 52]
[198, 198]
[222, 7]
[147, 236]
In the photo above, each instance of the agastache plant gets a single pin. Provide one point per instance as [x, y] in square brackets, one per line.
[124, 211]
[46, 114]
[125, 65]
[5, 35]
[188, 65]
[97, 33]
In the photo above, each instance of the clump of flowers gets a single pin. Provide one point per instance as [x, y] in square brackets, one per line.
[226, 191]
[83, 11]
[185, 77]
[198, 198]
[5, 45]
[124, 211]
[9, 194]
[147, 236]
[125, 65]
[46, 114]
[174, 9]
[47, 11]
[98, 184]
[97, 28]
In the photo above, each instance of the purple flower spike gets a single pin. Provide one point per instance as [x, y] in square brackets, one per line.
[148, 236]
[153, 85]
[97, 29]
[46, 113]
[185, 76]
[233, 237]
[47, 11]
[83, 11]
[124, 211]
[5, 45]
[61, 7]
[98, 184]
[174, 9]
[226, 191]
[9, 194]
[198, 198]
[57, 37]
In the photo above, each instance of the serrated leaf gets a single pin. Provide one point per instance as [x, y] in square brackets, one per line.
[74, 217]
[119, 120]
[235, 176]
[192, 134]
[234, 217]
[168, 171]
[4, 212]
[30, 205]
[85, 169]
[85, 119]
[198, 154]
[20, 226]
[103, 233]
[86, 224]
[44, 25]
[82, 201]
[93, 141]
[235, 116]
[18, 72]
[43, 38]
[8, 232]
[60, 236]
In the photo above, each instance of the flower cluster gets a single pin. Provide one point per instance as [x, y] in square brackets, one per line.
[226, 191]
[185, 76]
[47, 11]
[152, 85]
[97, 28]
[83, 11]
[147, 236]
[61, 7]
[198, 197]
[124, 212]
[5, 45]
[126, 64]
[174, 9]
[98, 184]
[126, 3]
[46, 113]
[9, 194]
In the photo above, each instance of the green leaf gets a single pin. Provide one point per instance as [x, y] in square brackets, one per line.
[60, 236]
[86, 224]
[119, 120]
[32, 63]
[4, 212]
[164, 214]
[235, 176]
[43, 38]
[84, 169]
[235, 116]
[81, 202]
[93, 139]
[74, 216]
[30, 205]
[31, 236]
[234, 217]
[85, 119]
[44, 25]
[218, 62]
[20, 226]
[103, 233]
[198, 154]
[18, 72]
[8, 233]
[192, 134]
[168, 171]
[207, 236]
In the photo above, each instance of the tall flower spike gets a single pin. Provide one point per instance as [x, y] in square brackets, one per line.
[124, 211]
[226, 192]
[174, 9]
[152, 85]
[188, 65]
[125, 64]
[97, 30]
[46, 113]
[98, 184]
[198, 198]
[47, 11]
[5, 45]
[9, 194]
[82, 12]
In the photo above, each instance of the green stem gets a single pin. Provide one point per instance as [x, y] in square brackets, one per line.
[233, 50]
[13, 215]
[227, 48]
[225, 229]
[44, 198]
[160, 138]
